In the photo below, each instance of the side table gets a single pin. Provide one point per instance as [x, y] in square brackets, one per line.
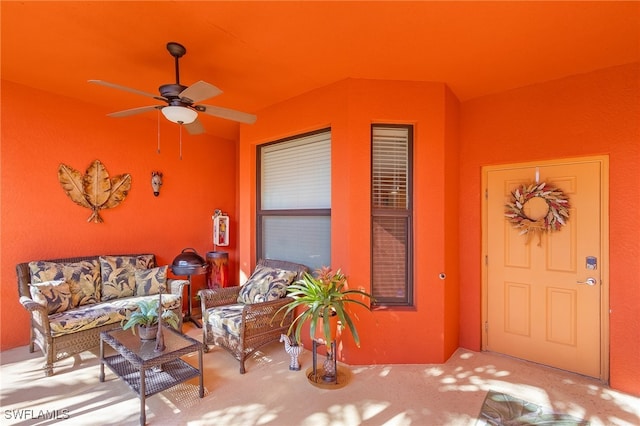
[189, 315]
[146, 371]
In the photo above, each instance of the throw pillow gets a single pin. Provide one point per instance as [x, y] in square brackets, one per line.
[54, 295]
[83, 278]
[266, 284]
[149, 281]
[118, 274]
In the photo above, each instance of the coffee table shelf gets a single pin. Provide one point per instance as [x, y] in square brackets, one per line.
[172, 373]
[147, 371]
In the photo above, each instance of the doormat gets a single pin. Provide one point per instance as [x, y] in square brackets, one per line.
[502, 409]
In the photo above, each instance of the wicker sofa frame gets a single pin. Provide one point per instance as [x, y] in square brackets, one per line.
[67, 345]
[260, 325]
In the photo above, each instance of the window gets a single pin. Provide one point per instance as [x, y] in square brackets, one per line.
[391, 214]
[294, 199]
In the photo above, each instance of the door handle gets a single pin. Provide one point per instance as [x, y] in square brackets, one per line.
[590, 281]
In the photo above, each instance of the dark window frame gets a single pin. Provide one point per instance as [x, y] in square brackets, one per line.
[407, 214]
[261, 213]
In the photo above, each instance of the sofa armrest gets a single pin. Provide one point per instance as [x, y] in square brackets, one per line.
[218, 297]
[32, 306]
[177, 286]
[39, 314]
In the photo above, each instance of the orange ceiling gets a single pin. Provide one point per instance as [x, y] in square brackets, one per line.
[261, 52]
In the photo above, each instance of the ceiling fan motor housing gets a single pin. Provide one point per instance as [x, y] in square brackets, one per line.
[171, 91]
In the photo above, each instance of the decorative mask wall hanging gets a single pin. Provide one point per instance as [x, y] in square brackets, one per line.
[95, 190]
[156, 182]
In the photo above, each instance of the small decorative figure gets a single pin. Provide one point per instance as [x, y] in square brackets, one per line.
[156, 182]
[160, 346]
[294, 350]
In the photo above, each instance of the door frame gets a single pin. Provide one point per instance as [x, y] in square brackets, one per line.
[603, 160]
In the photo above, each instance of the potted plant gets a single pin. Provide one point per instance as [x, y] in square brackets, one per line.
[323, 296]
[145, 319]
[324, 299]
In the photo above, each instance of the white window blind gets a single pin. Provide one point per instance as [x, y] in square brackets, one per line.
[390, 162]
[301, 239]
[389, 260]
[297, 174]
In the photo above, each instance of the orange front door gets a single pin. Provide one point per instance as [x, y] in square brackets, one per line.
[543, 293]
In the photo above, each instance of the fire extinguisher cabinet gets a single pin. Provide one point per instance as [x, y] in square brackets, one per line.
[218, 269]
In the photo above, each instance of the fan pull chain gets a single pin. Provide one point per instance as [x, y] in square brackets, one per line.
[158, 131]
[180, 141]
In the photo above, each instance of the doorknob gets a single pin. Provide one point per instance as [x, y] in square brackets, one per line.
[589, 281]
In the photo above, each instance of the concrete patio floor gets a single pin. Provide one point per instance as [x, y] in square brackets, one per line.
[270, 394]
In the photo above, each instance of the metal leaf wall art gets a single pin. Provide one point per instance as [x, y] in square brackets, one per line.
[95, 190]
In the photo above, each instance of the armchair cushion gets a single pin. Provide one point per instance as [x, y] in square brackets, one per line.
[225, 319]
[54, 295]
[266, 284]
[82, 277]
[149, 281]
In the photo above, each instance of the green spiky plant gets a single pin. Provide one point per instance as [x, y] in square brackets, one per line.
[322, 296]
[147, 316]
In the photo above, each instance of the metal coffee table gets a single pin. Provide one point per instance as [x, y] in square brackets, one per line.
[146, 371]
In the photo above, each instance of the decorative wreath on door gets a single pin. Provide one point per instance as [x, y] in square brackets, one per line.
[555, 218]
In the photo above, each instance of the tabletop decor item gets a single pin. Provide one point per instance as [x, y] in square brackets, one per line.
[145, 319]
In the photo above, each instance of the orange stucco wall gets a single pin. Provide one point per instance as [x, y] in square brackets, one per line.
[39, 221]
[589, 114]
[350, 107]
[594, 113]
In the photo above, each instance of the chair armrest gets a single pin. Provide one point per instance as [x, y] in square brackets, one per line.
[218, 297]
[269, 312]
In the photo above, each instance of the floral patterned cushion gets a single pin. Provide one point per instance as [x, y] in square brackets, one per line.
[265, 284]
[83, 278]
[149, 281]
[225, 319]
[103, 313]
[118, 274]
[54, 295]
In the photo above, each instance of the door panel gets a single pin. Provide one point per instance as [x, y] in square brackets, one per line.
[535, 307]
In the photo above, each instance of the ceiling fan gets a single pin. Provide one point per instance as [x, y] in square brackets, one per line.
[181, 100]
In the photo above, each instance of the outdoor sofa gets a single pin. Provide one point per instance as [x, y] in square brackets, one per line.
[71, 300]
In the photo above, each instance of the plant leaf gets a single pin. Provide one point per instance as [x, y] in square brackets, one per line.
[120, 186]
[71, 181]
[96, 183]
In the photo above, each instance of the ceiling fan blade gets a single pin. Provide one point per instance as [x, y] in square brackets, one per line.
[195, 127]
[227, 113]
[200, 91]
[133, 111]
[126, 89]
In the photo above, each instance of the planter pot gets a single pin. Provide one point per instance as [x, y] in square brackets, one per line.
[147, 333]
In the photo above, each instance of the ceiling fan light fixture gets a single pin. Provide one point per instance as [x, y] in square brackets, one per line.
[179, 114]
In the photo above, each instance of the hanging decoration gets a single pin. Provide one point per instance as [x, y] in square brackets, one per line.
[555, 218]
[95, 190]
